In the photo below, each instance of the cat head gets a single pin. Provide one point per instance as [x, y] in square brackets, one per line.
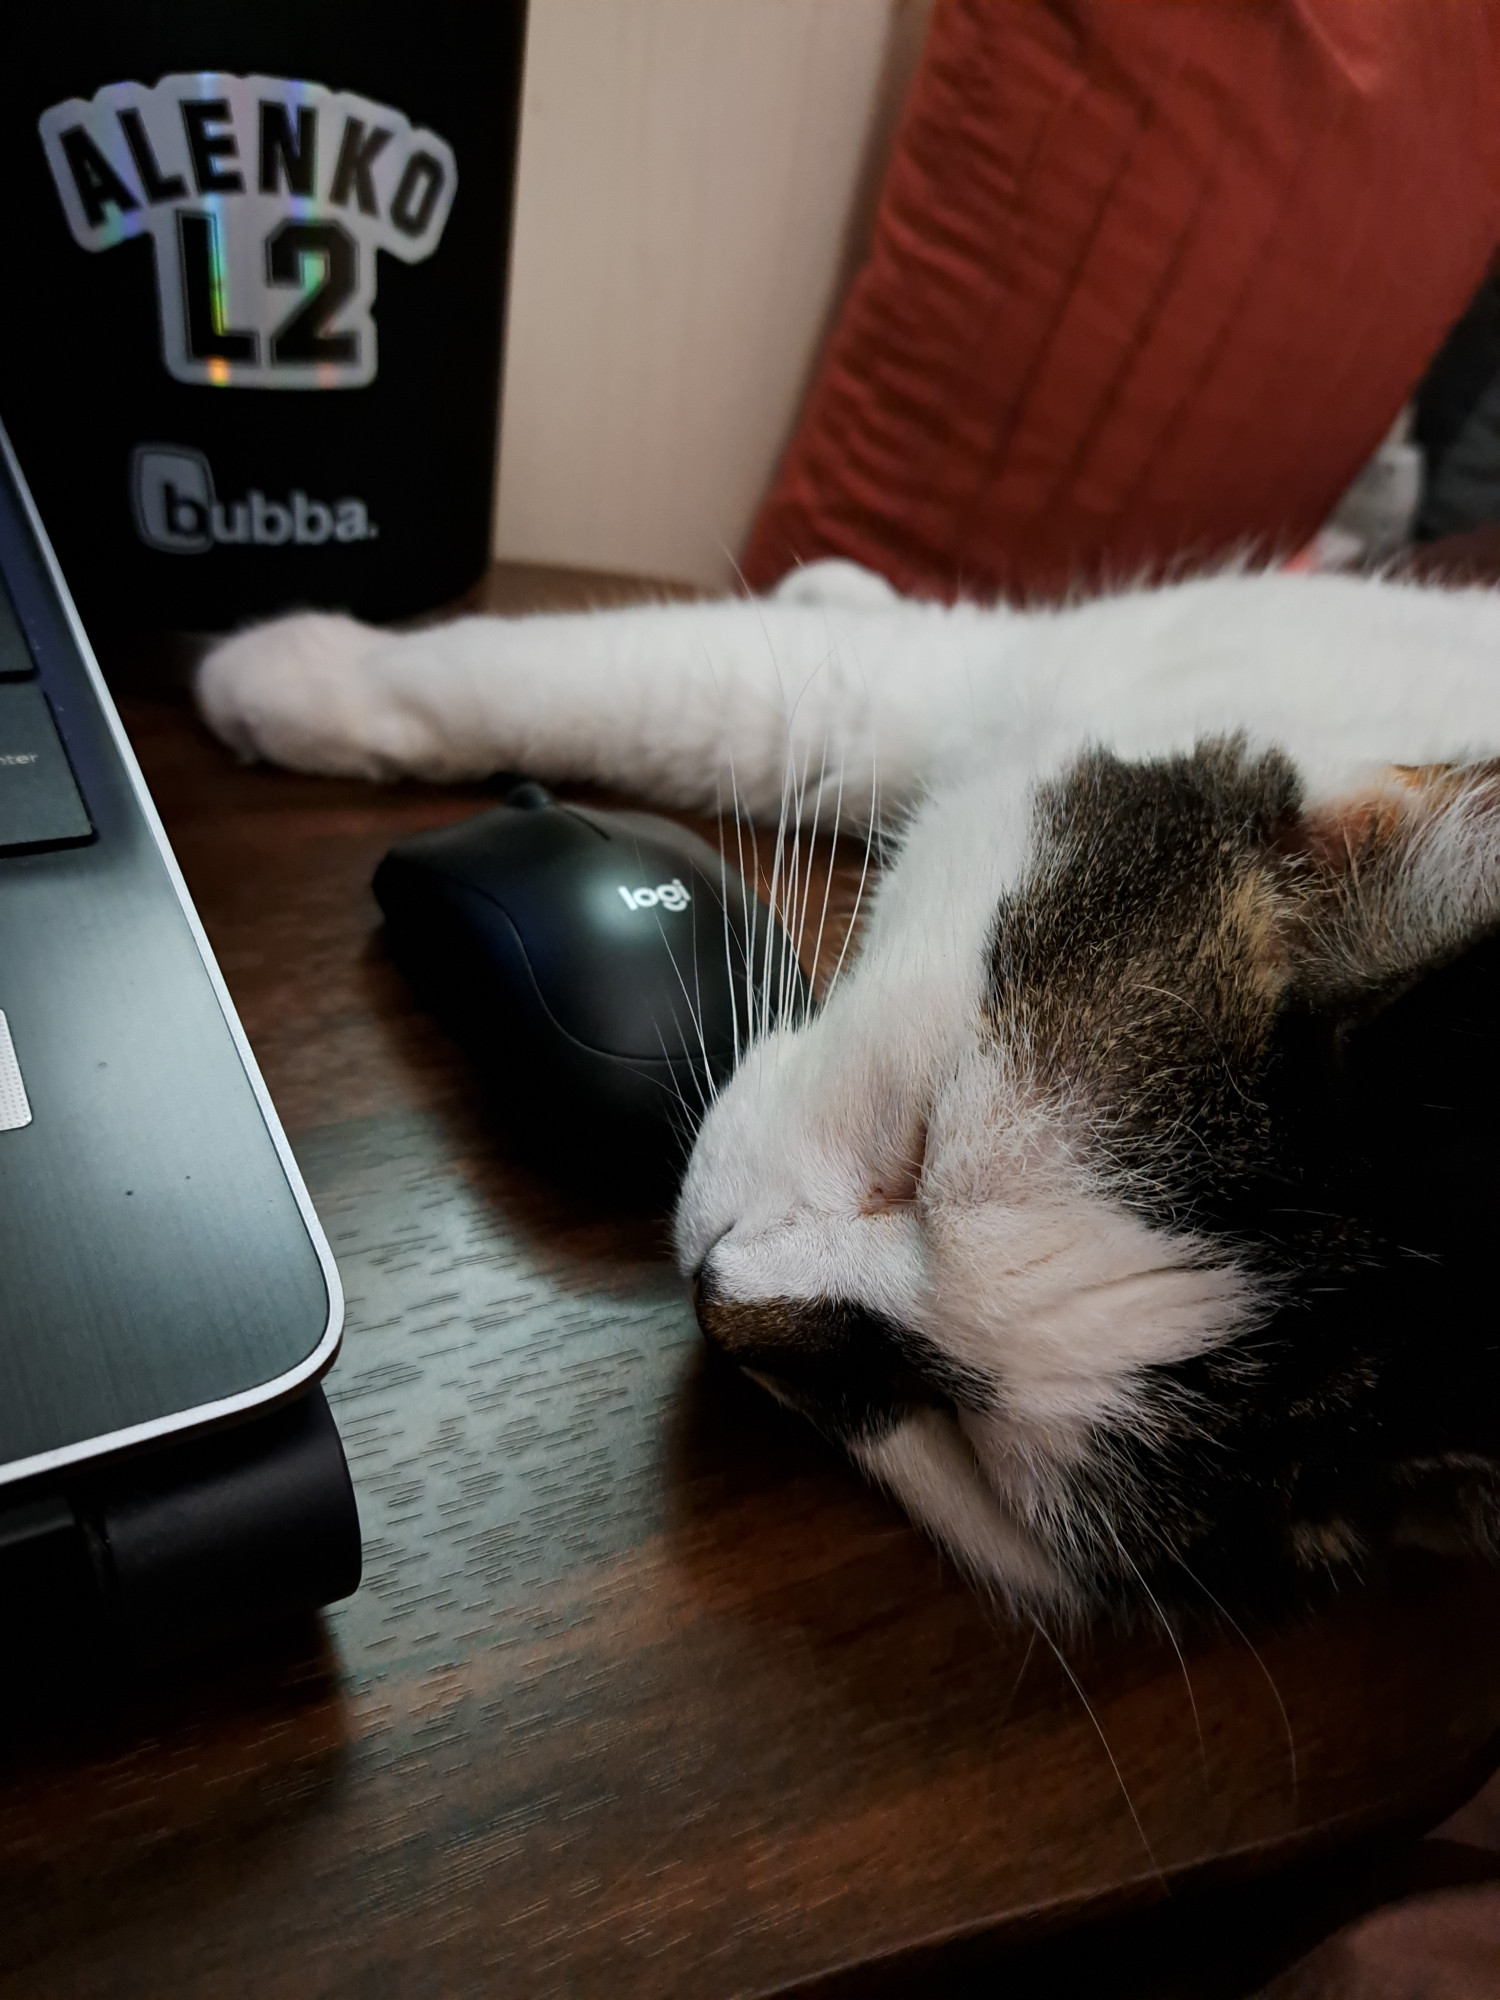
[1116, 1211]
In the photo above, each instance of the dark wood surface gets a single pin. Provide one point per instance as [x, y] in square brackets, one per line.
[643, 1693]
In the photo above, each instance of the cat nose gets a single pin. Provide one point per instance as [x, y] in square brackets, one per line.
[705, 1297]
[730, 1325]
[854, 1372]
[704, 1291]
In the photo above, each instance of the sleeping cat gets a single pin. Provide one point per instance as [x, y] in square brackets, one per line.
[1126, 1209]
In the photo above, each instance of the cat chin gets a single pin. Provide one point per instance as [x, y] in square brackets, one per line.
[928, 1466]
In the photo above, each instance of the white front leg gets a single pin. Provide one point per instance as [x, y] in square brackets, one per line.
[686, 703]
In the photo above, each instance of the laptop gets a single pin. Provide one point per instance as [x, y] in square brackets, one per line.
[169, 1467]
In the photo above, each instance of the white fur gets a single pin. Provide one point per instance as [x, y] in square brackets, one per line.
[665, 699]
[926, 1463]
[1005, 1250]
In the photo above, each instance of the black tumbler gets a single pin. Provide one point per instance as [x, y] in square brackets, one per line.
[254, 298]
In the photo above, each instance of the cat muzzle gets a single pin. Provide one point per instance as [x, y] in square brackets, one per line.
[853, 1372]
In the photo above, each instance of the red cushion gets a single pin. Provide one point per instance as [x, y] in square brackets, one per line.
[1148, 284]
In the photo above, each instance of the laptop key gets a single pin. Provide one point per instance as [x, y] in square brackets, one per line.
[39, 802]
[15, 656]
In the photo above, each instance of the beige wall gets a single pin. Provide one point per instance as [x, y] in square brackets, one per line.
[695, 184]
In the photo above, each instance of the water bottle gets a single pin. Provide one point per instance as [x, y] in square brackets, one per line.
[250, 353]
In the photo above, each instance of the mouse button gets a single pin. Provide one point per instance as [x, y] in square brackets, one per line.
[581, 816]
[627, 966]
[419, 901]
[461, 955]
[603, 823]
[651, 831]
[491, 851]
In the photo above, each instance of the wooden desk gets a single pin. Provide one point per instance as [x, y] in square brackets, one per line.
[643, 1692]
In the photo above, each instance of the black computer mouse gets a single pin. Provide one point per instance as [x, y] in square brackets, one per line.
[606, 969]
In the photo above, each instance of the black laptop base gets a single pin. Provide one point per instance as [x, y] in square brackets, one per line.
[148, 1557]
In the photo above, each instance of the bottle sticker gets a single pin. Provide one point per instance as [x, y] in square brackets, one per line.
[176, 508]
[266, 200]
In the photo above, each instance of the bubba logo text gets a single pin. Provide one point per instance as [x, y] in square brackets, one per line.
[175, 508]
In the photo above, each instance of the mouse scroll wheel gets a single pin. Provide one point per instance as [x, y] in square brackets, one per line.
[529, 796]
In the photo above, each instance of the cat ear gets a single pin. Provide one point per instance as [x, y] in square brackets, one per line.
[1393, 880]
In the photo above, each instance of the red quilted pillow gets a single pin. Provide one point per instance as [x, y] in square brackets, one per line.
[1148, 284]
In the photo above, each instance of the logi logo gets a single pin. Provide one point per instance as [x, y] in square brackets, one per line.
[665, 896]
[266, 200]
[175, 507]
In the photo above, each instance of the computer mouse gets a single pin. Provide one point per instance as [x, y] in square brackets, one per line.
[605, 969]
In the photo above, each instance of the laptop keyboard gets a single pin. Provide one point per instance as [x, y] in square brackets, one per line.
[39, 802]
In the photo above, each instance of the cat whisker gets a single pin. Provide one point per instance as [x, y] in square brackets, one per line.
[1015, 1686]
[708, 1073]
[690, 1123]
[1270, 1679]
[752, 599]
[790, 855]
[1166, 1625]
[742, 830]
[1088, 1708]
[801, 880]
[863, 876]
[807, 881]
[739, 817]
[788, 771]
[734, 1005]
[833, 853]
[707, 1089]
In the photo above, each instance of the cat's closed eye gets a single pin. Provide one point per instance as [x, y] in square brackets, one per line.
[897, 1184]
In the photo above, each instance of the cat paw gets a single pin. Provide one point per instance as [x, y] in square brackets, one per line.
[835, 581]
[306, 692]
